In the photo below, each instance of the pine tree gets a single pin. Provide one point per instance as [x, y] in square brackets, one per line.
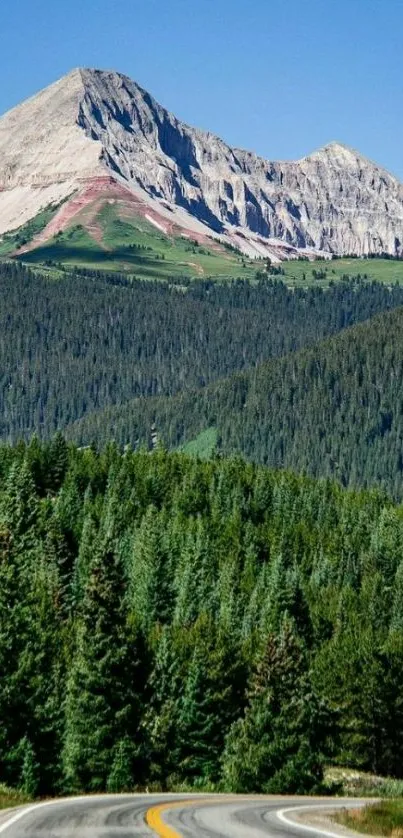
[29, 773]
[56, 457]
[106, 682]
[84, 558]
[276, 746]
[165, 689]
[396, 621]
[19, 555]
[150, 583]
[209, 703]
[121, 774]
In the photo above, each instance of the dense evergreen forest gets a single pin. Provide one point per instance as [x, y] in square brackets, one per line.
[162, 617]
[177, 623]
[335, 409]
[88, 341]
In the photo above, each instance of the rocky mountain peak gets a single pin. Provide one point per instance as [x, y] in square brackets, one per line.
[338, 152]
[94, 123]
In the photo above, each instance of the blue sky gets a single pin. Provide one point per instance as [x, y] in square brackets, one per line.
[280, 77]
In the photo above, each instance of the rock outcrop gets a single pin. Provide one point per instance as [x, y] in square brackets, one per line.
[92, 124]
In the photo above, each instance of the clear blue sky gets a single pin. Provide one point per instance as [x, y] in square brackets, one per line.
[280, 77]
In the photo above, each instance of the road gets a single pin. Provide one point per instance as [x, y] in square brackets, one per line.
[169, 816]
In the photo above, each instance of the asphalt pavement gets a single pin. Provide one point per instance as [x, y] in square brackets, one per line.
[170, 816]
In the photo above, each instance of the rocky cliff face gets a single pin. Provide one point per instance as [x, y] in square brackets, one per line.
[93, 123]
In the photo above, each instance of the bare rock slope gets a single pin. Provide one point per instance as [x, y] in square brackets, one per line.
[92, 124]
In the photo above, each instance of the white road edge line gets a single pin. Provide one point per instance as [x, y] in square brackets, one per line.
[36, 806]
[281, 814]
[22, 812]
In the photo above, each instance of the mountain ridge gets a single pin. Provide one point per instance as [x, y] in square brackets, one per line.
[93, 123]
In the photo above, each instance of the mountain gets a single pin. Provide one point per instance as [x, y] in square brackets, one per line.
[332, 409]
[97, 137]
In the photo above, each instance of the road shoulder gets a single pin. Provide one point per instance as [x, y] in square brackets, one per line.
[323, 821]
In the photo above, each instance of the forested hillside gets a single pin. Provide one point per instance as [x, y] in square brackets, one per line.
[161, 617]
[335, 409]
[84, 342]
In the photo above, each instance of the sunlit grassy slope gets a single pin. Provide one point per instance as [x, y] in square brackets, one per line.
[203, 445]
[322, 273]
[115, 240]
[135, 246]
[15, 239]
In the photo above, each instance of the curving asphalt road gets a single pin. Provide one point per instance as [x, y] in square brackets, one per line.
[169, 816]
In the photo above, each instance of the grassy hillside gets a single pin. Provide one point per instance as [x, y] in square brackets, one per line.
[9, 242]
[334, 409]
[321, 273]
[144, 252]
[114, 237]
[133, 245]
[203, 446]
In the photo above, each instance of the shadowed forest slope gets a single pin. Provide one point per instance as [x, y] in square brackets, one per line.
[335, 409]
[82, 342]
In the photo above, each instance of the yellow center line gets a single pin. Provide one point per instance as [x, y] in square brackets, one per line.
[154, 816]
[155, 820]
